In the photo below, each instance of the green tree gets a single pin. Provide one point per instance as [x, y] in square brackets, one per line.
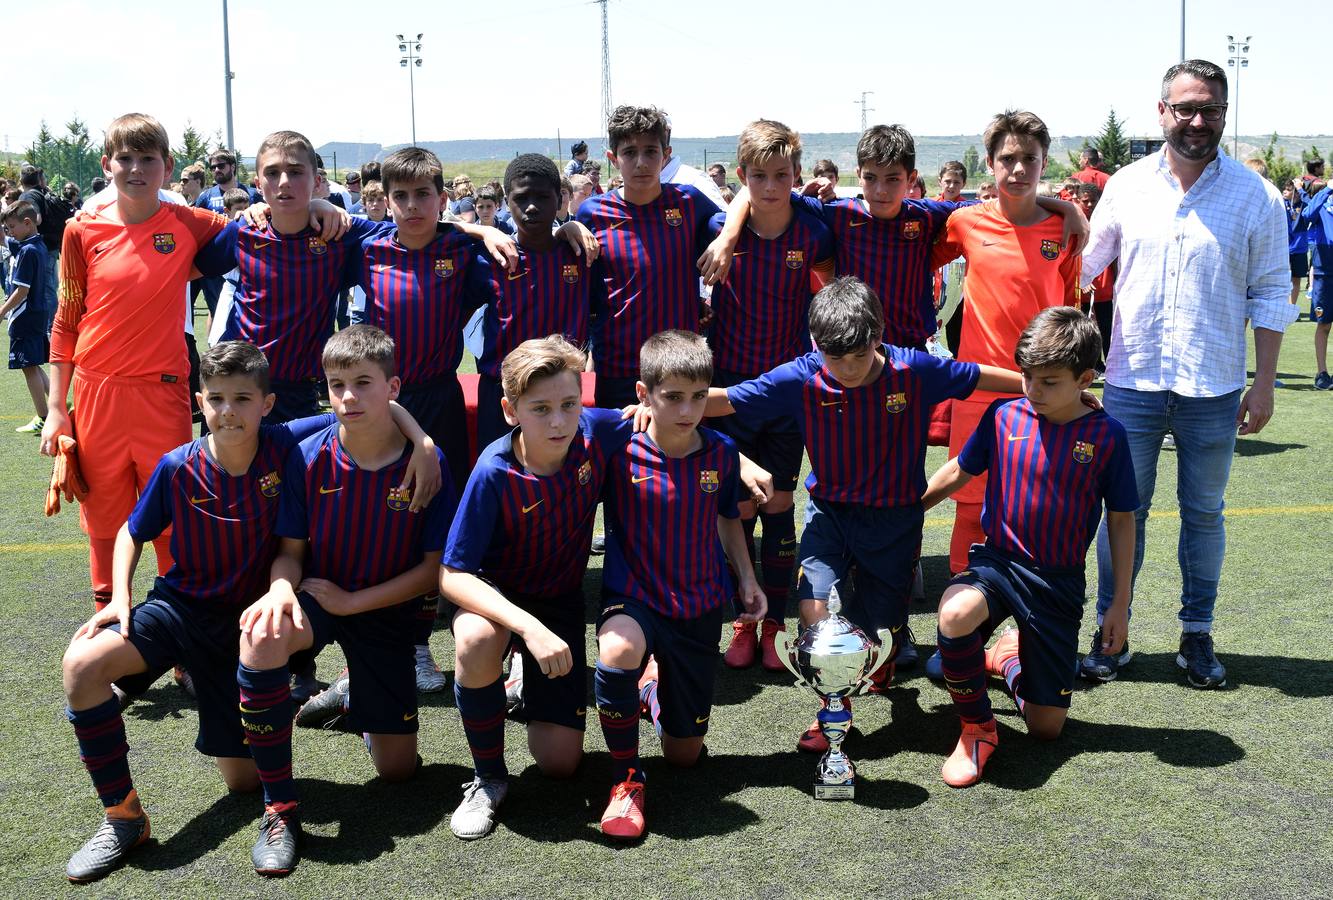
[1112, 143]
[1280, 169]
[42, 151]
[194, 147]
[1057, 171]
[71, 157]
[972, 161]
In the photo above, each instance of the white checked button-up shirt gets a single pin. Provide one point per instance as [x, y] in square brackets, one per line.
[1194, 265]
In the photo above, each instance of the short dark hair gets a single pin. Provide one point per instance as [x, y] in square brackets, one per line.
[579, 147]
[1313, 163]
[534, 166]
[222, 155]
[486, 192]
[292, 141]
[412, 164]
[356, 344]
[825, 168]
[235, 358]
[1088, 189]
[955, 166]
[1060, 337]
[1019, 123]
[846, 317]
[884, 145]
[235, 195]
[627, 121]
[1093, 154]
[675, 354]
[370, 171]
[99, 184]
[17, 212]
[1201, 69]
[30, 176]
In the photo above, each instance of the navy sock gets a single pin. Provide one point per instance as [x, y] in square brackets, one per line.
[964, 661]
[778, 560]
[104, 750]
[617, 694]
[424, 620]
[266, 716]
[483, 713]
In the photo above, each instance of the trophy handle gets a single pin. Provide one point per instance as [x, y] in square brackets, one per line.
[874, 656]
[783, 643]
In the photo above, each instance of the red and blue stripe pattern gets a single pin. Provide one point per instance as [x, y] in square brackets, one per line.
[547, 293]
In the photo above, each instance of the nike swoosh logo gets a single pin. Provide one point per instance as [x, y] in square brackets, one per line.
[857, 224]
[1019, 437]
[895, 629]
[580, 712]
[989, 243]
[197, 500]
[785, 541]
[517, 275]
[699, 720]
[1065, 692]
[380, 267]
[408, 717]
[324, 490]
[528, 509]
[830, 403]
[614, 225]
[739, 253]
[260, 245]
[634, 480]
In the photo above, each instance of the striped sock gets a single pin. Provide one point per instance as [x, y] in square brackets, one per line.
[648, 700]
[778, 559]
[964, 661]
[617, 694]
[104, 750]
[1012, 670]
[483, 713]
[266, 716]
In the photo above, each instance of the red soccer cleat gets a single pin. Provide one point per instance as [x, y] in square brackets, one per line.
[1005, 649]
[623, 819]
[744, 646]
[976, 744]
[768, 650]
[812, 740]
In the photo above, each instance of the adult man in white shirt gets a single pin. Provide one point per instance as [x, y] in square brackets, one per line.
[1202, 246]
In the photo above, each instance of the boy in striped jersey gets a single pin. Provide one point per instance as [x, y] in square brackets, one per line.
[863, 407]
[1053, 463]
[671, 493]
[353, 554]
[784, 255]
[219, 497]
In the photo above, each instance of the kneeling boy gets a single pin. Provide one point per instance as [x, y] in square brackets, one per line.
[357, 552]
[1052, 463]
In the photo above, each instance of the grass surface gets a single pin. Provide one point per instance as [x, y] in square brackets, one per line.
[1155, 790]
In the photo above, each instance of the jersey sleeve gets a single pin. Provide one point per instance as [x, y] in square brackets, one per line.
[943, 379]
[217, 255]
[293, 518]
[25, 272]
[152, 513]
[72, 294]
[202, 223]
[297, 430]
[475, 521]
[1071, 270]
[775, 393]
[949, 245]
[704, 210]
[975, 456]
[1119, 487]
[728, 505]
[609, 428]
[440, 512]
[477, 290]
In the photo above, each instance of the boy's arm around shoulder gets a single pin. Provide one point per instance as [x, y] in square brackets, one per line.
[944, 483]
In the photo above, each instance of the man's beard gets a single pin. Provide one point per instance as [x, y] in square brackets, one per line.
[1176, 138]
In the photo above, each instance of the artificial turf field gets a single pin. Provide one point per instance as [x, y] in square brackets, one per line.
[1155, 789]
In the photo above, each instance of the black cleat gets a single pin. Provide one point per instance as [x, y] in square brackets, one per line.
[110, 844]
[328, 708]
[276, 852]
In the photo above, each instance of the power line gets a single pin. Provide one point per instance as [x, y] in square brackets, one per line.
[864, 109]
[606, 67]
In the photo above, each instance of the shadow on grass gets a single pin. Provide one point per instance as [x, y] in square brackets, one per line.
[1293, 676]
[683, 804]
[1248, 446]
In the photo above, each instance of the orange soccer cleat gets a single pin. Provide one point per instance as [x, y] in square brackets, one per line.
[623, 819]
[976, 744]
[744, 646]
[1005, 649]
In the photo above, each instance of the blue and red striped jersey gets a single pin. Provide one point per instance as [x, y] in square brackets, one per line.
[1047, 483]
[222, 538]
[760, 311]
[360, 529]
[646, 279]
[547, 293]
[662, 544]
[288, 290]
[531, 534]
[892, 256]
[867, 444]
[421, 298]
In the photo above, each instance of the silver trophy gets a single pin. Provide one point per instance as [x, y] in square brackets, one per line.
[835, 659]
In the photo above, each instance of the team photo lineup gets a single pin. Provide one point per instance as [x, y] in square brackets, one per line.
[657, 361]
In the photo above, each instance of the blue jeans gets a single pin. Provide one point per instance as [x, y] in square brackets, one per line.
[1205, 433]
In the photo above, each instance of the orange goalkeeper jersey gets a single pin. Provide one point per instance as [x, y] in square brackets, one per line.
[1013, 273]
[121, 287]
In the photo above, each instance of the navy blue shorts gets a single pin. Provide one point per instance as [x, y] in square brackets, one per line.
[293, 400]
[33, 350]
[877, 546]
[205, 640]
[1047, 605]
[491, 422]
[1321, 300]
[380, 661]
[776, 445]
[687, 656]
[563, 700]
[1300, 265]
[438, 407]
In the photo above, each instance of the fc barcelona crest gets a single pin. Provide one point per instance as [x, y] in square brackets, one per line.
[1050, 249]
[570, 273]
[317, 246]
[399, 499]
[896, 403]
[1083, 451]
[911, 230]
[270, 484]
[708, 481]
[673, 217]
[795, 259]
[164, 243]
[444, 268]
[585, 472]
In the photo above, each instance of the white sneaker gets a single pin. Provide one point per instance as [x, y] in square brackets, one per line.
[1169, 442]
[475, 816]
[430, 680]
[514, 683]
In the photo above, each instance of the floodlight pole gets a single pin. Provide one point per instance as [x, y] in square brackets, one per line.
[411, 59]
[1238, 57]
[227, 74]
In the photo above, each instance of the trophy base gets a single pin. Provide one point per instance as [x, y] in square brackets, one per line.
[835, 791]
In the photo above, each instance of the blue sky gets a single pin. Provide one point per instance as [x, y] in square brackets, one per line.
[529, 67]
